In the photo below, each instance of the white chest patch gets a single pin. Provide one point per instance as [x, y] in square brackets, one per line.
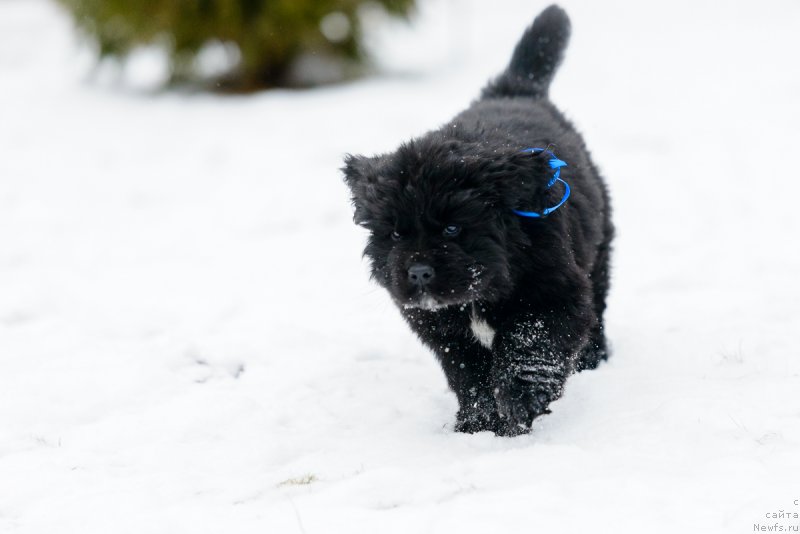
[482, 331]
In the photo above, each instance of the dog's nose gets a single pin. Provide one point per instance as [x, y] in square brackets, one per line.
[420, 274]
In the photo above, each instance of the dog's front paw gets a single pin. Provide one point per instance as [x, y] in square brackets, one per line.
[471, 421]
[519, 402]
[477, 415]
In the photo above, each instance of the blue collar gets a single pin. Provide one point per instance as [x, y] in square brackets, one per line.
[556, 164]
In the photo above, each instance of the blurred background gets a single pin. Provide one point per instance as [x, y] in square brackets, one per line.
[188, 337]
[242, 45]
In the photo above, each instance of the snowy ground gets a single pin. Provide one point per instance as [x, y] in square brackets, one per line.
[189, 343]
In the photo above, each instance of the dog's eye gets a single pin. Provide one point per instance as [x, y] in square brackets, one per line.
[451, 230]
[396, 236]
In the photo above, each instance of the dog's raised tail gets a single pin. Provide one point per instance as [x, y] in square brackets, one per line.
[536, 58]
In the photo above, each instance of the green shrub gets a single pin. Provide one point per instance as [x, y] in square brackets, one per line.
[270, 34]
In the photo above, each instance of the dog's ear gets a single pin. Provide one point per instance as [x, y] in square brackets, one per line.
[356, 176]
[354, 167]
[363, 176]
[519, 179]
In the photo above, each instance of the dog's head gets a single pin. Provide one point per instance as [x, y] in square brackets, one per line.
[441, 221]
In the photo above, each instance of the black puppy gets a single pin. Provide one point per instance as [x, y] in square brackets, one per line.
[470, 234]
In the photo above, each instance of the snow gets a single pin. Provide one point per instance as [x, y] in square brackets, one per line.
[189, 341]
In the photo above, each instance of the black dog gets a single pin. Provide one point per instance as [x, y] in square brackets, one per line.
[507, 290]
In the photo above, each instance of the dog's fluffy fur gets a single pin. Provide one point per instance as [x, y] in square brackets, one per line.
[510, 305]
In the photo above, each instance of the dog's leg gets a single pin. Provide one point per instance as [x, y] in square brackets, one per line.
[532, 357]
[597, 349]
[467, 366]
